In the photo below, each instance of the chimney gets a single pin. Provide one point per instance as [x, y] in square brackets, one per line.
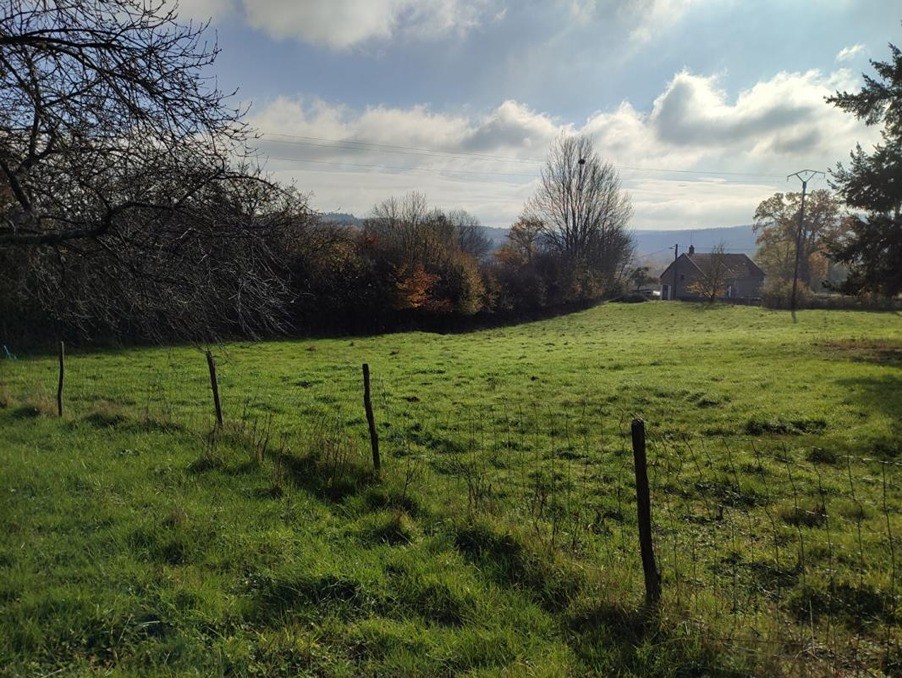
[691, 250]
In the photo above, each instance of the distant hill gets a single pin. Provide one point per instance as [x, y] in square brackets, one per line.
[341, 218]
[738, 239]
[497, 236]
[653, 248]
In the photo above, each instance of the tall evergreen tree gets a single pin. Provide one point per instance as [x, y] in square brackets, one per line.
[872, 183]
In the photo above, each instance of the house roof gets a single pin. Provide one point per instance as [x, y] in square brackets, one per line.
[739, 264]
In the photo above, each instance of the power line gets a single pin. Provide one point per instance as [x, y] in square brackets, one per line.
[351, 145]
[702, 172]
[441, 170]
[403, 169]
[433, 170]
[651, 254]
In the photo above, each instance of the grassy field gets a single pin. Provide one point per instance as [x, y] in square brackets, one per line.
[500, 537]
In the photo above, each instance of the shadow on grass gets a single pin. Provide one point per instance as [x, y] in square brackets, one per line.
[391, 528]
[881, 394]
[511, 563]
[26, 412]
[859, 607]
[328, 479]
[319, 595]
[757, 426]
[105, 419]
[388, 497]
[73, 627]
[314, 594]
[109, 415]
[613, 639]
[437, 599]
[878, 351]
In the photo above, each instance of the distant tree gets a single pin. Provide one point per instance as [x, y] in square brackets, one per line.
[432, 256]
[518, 271]
[640, 276]
[460, 287]
[413, 287]
[398, 225]
[871, 245]
[115, 171]
[715, 274]
[334, 282]
[584, 214]
[468, 234]
[524, 241]
[777, 225]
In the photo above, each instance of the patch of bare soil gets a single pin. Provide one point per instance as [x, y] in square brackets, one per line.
[881, 351]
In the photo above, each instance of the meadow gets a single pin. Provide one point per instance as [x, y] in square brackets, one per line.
[499, 537]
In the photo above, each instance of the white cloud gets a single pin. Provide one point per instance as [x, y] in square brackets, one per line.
[581, 11]
[642, 19]
[778, 118]
[849, 53]
[650, 17]
[511, 129]
[342, 24]
[351, 159]
[203, 9]
[698, 158]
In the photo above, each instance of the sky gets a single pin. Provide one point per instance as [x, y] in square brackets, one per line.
[703, 106]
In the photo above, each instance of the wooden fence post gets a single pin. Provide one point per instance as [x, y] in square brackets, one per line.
[370, 419]
[59, 387]
[643, 505]
[214, 384]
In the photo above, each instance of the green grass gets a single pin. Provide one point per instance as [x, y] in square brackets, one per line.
[500, 537]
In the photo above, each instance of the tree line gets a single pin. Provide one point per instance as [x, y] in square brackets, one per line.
[131, 207]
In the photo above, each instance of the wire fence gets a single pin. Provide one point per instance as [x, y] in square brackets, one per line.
[786, 554]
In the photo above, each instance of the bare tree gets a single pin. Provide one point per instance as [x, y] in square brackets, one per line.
[116, 168]
[399, 222]
[583, 209]
[410, 227]
[469, 234]
[90, 89]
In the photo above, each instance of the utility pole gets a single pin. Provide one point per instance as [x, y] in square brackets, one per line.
[673, 288]
[804, 176]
